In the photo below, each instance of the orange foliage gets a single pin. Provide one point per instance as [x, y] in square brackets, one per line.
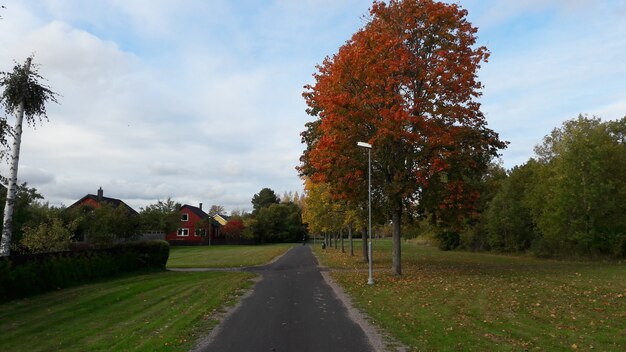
[407, 84]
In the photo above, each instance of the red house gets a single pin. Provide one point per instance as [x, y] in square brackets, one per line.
[96, 200]
[196, 227]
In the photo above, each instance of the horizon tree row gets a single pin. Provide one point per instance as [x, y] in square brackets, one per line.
[567, 201]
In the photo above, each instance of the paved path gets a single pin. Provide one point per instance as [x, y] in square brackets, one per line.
[291, 309]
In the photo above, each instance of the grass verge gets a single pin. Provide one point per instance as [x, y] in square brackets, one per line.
[224, 256]
[476, 302]
[166, 311]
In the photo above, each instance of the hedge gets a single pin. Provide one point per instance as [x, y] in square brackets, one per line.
[26, 275]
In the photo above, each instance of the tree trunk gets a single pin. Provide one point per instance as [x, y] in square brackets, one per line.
[7, 230]
[364, 236]
[396, 217]
[335, 236]
[350, 240]
[343, 248]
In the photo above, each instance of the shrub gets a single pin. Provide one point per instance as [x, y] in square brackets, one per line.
[25, 275]
[49, 236]
[448, 239]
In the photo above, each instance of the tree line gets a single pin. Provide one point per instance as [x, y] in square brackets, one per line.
[272, 219]
[406, 83]
[568, 200]
[39, 227]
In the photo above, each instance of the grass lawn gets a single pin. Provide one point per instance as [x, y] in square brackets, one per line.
[447, 301]
[154, 312]
[224, 256]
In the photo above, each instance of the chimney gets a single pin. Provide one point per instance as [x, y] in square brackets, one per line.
[200, 206]
[100, 194]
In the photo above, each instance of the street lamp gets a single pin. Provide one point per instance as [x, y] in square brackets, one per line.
[370, 279]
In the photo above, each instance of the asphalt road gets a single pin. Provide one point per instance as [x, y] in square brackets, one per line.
[291, 309]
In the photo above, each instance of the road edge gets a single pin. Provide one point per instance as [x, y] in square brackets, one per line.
[379, 340]
[204, 341]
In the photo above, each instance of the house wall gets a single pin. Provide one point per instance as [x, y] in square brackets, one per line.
[90, 202]
[190, 224]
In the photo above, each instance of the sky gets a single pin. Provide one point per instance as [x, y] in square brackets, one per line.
[200, 100]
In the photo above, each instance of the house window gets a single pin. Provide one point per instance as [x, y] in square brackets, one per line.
[184, 217]
[200, 232]
[183, 232]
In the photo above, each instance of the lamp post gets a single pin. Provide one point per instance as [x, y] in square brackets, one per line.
[370, 279]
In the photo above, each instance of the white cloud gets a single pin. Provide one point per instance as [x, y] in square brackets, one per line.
[545, 69]
[195, 137]
[36, 176]
[166, 169]
[200, 101]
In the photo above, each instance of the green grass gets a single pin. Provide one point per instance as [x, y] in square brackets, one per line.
[165, 311]
[224, 256]
[447, 301]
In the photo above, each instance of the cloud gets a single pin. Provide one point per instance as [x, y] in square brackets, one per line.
[166, 169]
[200, 100]
[36, 176]
[195, 132]
[546, 68]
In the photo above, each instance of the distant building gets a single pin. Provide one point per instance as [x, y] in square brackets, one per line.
[222, 219]
[96, 200]
[196, 227]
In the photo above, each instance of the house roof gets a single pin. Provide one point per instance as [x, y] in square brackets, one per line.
[196, 211]
[222, 219]
[200, 213]
[114, 202]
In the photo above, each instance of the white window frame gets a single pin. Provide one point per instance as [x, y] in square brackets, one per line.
[182, 232]
[184, 217]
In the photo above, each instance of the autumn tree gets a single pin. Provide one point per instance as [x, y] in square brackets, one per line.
[23, 95]
[407, 84]
[321, 212]
[234, 228]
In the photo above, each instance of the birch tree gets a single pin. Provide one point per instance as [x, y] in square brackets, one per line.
[24, 96]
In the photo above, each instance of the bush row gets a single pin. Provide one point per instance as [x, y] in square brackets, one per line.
[25, 275]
